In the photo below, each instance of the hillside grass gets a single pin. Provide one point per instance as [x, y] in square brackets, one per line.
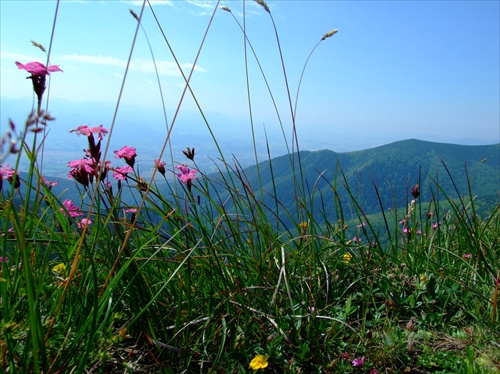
[210, 274]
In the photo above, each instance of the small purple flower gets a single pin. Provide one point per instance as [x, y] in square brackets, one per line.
[358, 362]
[6, 259]
[466, 256]
[362, 224]
[355, 239]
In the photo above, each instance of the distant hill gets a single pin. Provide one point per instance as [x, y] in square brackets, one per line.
[393, 168]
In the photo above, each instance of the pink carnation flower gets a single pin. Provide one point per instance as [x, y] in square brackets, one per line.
[88, 131]
[127, 153]
[160, 165]
[187, 175]
[84, 222]
[38, 73]
[121, 173]
[37, 68]
[358, 362]
[6, 173]
[73, 210]
[48, 183]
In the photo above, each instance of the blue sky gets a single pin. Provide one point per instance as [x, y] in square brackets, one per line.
[395, 70]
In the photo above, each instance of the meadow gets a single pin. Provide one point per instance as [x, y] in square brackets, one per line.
[211, 274]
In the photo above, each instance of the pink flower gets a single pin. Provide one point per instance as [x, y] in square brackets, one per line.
[11, 230]
[2, 259]
[186, 175]
[73, 210]
[121, 173]
[358, 362]
[38, 73]
[37, 68]
[100, 131]
[362, 224]
[127, 153]
[130, 210]
[82, 171]
[436, 225]
[49, 183]
[356, 239]
[88, 131]
[6, 173]
[160, 165]
[84, 222]
[466, 256]
[82, 130]
[82, 164]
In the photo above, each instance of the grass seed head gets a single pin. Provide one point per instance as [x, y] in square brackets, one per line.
[329, 33]
[263, 4]
[38, 45]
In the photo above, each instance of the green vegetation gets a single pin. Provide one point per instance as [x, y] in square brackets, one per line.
[247, 269]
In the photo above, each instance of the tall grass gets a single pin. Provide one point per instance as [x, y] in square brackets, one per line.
[203, 273]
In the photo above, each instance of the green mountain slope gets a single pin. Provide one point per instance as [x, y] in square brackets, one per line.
[393, 168]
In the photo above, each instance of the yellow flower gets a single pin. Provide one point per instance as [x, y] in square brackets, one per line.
[259, 362]
[59, 269]
[347, 257]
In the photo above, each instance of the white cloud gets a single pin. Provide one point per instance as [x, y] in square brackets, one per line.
[152, 2]
[164, 67]
[18, 57]
[206, 4]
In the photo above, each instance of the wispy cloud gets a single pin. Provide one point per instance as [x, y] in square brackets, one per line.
[201, 7]
[206, 4]
[152, 2]
[164, 67]
[20, 57]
